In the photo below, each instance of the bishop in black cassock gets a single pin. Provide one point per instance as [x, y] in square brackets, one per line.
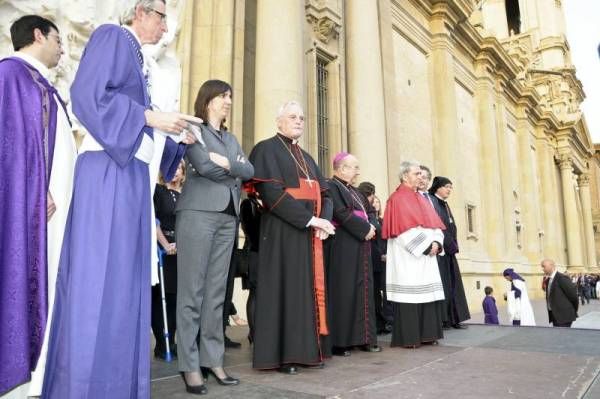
[349, 268]
[290, 316]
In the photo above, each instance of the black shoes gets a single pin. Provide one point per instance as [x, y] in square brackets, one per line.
[231, 344]
[228, 380]
[288, 369]
[459, 326]
[371, 348]
[194, 389]
[340, 351]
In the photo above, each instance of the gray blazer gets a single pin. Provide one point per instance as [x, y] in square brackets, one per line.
[208, 187]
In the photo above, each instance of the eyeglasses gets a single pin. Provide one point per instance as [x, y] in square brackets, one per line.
[56, 37]
[162, 15]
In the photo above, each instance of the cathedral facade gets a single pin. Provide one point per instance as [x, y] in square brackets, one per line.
[483, 92]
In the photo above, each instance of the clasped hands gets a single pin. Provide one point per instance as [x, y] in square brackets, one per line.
[323, 228]
[171, 248]
[174, 123]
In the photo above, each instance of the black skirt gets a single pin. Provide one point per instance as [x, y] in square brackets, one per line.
[416, 323]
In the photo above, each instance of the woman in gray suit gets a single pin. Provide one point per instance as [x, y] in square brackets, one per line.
[207, 213]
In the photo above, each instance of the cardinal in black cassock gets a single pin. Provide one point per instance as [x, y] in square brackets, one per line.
[349, 268]
[456, 309]
[290, 315]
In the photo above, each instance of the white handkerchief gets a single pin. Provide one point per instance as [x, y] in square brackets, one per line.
[197, 132]
[177, 139]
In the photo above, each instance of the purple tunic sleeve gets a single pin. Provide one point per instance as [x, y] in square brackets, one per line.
[172, 154]
[102, 91]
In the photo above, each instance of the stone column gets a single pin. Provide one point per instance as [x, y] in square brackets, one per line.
[575, 252]
[552, 247]
[528, 200]
[445, 117]
[365, 94]
[493, 211]
[506, 179]
[279, 61]
[586, 208]
[494, 18]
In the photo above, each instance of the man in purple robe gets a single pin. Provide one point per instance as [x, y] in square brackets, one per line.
[37, 153]
[100, 336]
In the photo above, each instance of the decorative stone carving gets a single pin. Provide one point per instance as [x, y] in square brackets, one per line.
[520, 49]
[583, 180]
[325, 21]
[324, 28]
[565, 161]
[76, 20]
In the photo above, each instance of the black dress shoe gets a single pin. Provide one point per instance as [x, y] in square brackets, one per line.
[340, 351]
[195, 389]
[206, 371]
[231, 344]
[371, 348]
[289, 369]
[459, 326]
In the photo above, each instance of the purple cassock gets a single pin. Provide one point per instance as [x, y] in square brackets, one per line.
[490, 310]
[27, 134]
[100, 338]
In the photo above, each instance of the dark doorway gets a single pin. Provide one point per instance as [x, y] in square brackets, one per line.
[513, 17]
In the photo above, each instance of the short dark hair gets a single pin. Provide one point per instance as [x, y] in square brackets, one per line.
[209, 90]
[426, 169]
[367, 188]
[488, 290]
[21, 31]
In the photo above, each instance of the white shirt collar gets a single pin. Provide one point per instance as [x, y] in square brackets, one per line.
[553, 274]
[34, 62]
[133, 34]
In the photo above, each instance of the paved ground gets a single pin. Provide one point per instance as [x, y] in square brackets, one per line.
[480, 362]
[589, 314]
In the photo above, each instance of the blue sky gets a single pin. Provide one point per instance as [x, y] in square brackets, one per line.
[583, 34]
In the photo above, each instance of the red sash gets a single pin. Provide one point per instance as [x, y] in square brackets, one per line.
[312, 191]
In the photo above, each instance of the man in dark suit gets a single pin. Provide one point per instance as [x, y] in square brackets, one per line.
[561, 296]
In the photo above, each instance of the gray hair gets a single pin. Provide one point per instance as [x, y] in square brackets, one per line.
[406, 166]
[284, 107]
[128, 13]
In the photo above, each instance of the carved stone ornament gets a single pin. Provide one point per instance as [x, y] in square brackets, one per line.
[325, 28]
[76, 20]
[583, 180]
[565, 161]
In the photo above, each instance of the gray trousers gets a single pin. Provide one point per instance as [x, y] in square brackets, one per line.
[204, 246]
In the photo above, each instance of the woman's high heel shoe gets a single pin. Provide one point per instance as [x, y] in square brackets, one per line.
[225, 381]
[195, 389]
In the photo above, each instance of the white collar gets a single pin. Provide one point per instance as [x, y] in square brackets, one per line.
[34, 62]
[135, 36]
[553, 274]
